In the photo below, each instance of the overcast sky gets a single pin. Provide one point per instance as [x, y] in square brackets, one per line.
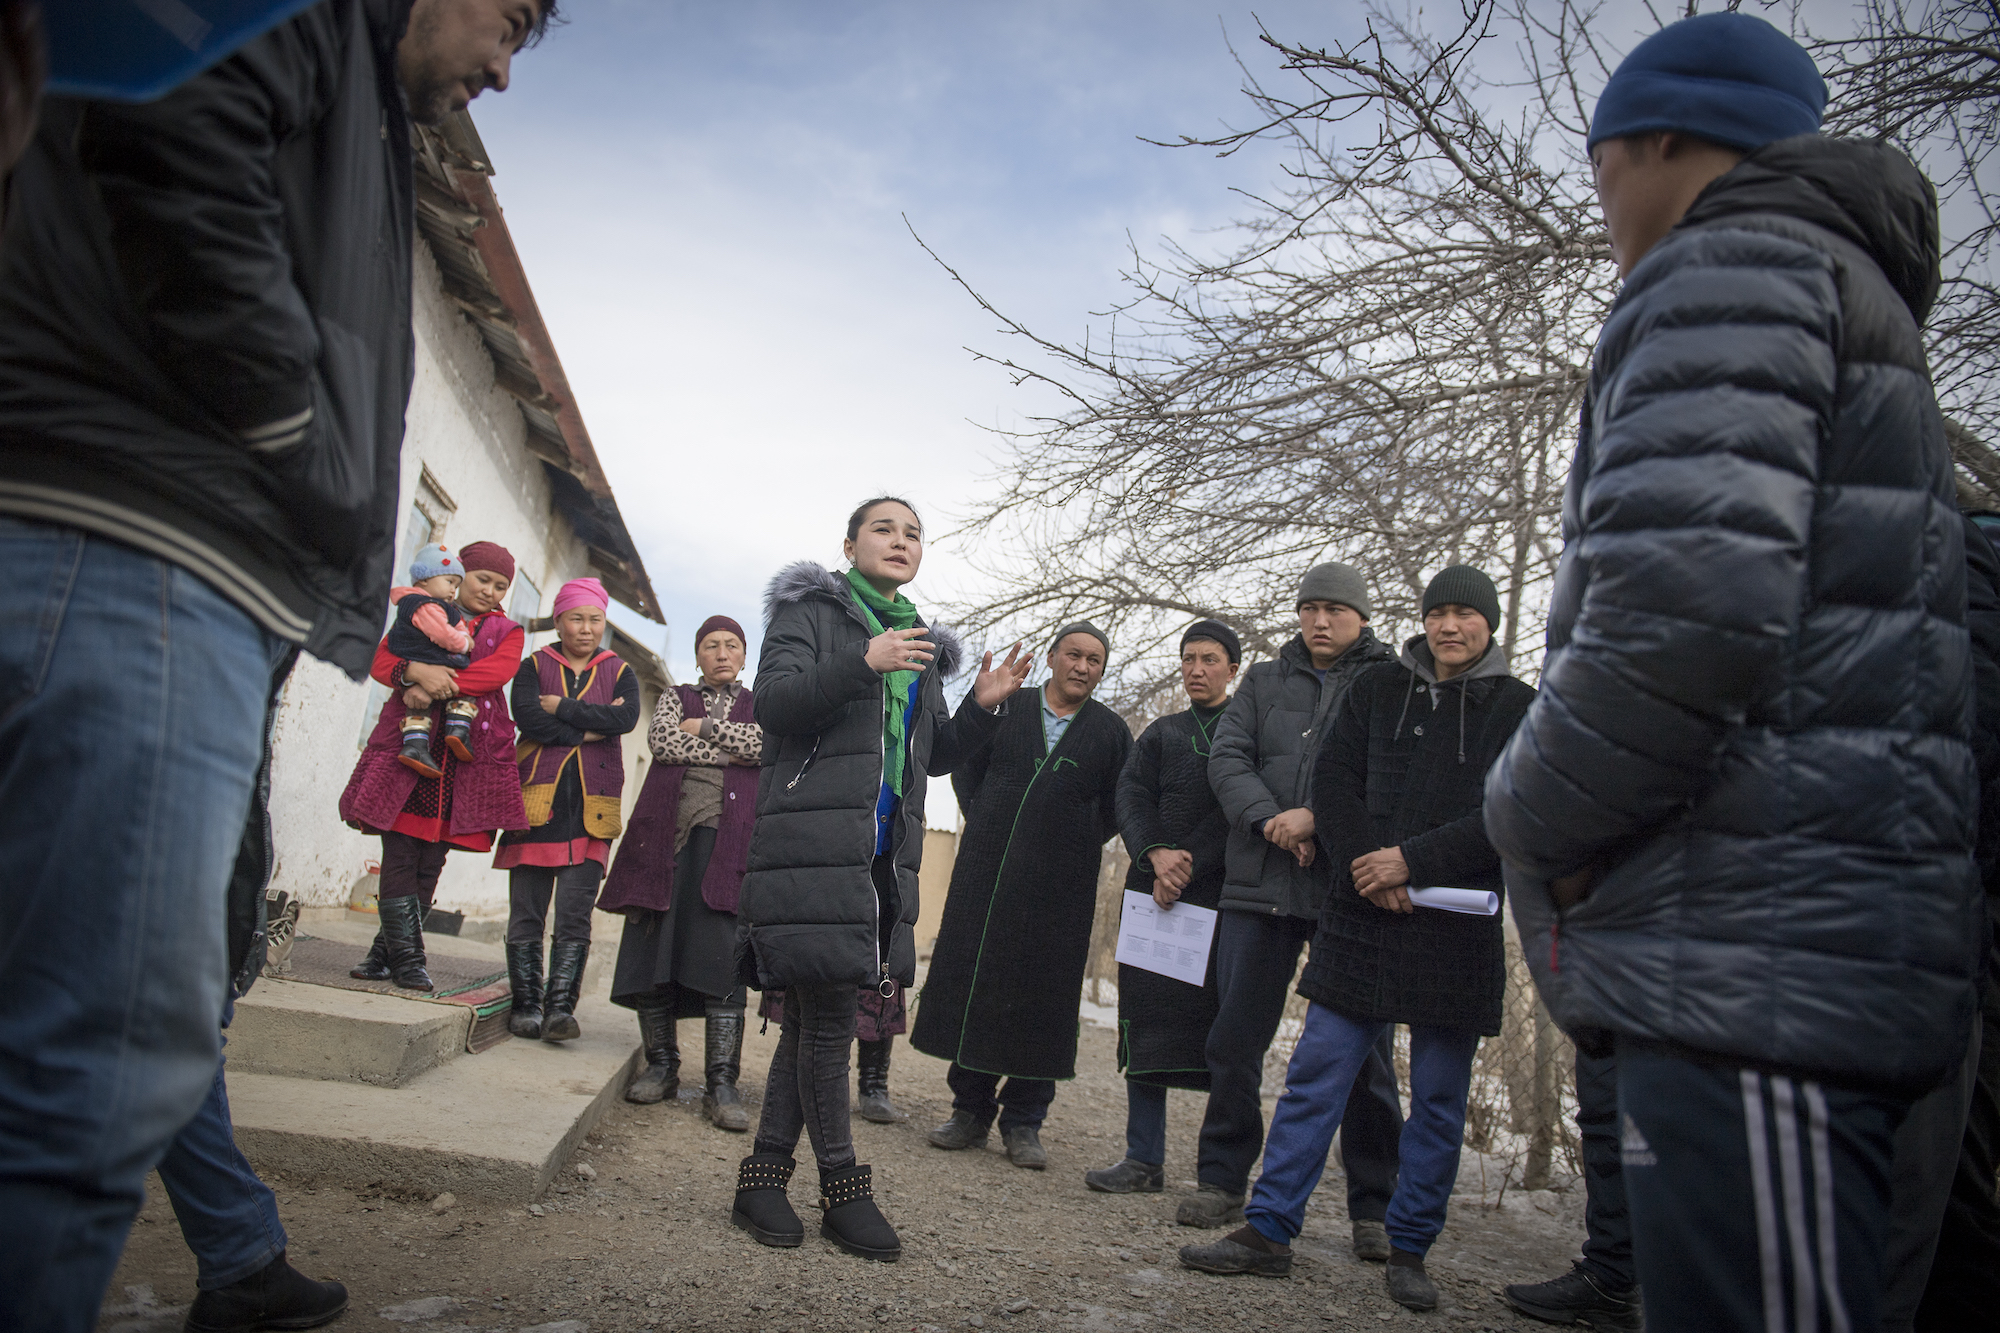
[709, 200]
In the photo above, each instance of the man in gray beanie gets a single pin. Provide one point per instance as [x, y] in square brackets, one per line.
[1274, 885]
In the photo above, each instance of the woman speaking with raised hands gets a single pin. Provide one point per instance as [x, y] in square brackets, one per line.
[850, 693]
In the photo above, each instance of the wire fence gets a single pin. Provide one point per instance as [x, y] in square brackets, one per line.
[1520, 1119]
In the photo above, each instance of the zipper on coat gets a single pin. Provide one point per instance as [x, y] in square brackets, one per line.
[807, 764]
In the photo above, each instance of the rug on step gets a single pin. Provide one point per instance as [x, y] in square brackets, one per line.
[474, 983]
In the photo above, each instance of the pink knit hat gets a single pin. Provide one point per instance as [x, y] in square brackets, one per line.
[581, 592]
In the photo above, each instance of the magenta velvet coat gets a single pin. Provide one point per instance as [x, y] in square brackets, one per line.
[485, 792]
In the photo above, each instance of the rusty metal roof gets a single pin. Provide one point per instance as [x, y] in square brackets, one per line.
[458, 215]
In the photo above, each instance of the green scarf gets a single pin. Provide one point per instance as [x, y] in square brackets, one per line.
[884, 614]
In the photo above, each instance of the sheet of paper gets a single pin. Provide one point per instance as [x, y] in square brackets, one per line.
[1477, 902]
[1172, 941]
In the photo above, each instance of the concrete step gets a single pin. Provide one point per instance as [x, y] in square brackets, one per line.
[496, 1126]
[297, 1030]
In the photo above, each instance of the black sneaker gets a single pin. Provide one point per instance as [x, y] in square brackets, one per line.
[277, 1296]
[1243, 1250]
[961, 1131]
[1024, 1147]
[1128, 1177]
[1577, 1298]
[1409, 1285]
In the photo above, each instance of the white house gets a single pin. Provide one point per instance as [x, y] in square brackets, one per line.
[495, 451]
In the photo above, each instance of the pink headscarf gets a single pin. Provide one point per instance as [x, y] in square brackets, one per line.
[581, 592]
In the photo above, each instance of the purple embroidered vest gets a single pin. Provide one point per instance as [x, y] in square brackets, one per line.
[485, 793]
[601, 763]
[642, 877]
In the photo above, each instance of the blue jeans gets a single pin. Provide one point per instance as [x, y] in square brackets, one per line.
[228, 1217]
[1146, 1123]
[1329, 1055]
[132, 701]
[1256, 956]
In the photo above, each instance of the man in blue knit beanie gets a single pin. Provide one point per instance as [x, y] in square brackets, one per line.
[1737, 820]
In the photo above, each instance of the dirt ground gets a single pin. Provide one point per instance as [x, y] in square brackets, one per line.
[636, 1236]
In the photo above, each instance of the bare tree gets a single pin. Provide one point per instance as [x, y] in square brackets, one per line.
[1386, 370]
[1387, 366]
[1927, 77]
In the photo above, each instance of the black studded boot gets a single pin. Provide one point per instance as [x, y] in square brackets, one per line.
[871, 1080]
[524, 974]
[403, 941]
[761, 1206]
[850, 1218]
[658, 1038]
[566, 960]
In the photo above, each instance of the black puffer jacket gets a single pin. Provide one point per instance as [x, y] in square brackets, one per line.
[1404, 766]
[1262, 766]
[205, 341]
[1754, 714]
[808, 915]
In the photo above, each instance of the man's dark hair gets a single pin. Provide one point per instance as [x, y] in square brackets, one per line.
[550, 17]
[860, 515]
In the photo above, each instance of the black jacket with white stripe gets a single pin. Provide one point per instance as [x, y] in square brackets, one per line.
[205, 340]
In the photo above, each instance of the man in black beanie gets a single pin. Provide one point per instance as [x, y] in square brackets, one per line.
[1272, 891]
[1738, 821]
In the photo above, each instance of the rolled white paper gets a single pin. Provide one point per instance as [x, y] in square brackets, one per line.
[1476, 902]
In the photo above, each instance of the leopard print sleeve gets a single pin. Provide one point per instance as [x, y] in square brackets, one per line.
[671, 745]
[745, 740]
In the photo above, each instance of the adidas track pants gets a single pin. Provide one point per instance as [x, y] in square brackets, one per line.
[1759, 1203]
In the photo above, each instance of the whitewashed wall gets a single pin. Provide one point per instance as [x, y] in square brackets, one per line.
[468, 435]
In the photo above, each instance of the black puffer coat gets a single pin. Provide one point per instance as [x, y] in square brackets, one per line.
[1754, 713]
[205, 340]
[1405, 766]
[809, 915]
[1263, 765]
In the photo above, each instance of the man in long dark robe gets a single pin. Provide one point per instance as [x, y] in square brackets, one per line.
[1178, 836]
[1000, 1000]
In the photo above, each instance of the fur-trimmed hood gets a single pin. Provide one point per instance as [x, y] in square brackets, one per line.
[807, 578]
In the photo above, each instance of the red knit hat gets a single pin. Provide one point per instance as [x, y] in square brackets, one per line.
[489, 556]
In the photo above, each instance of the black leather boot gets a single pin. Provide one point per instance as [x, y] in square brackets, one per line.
[403, 941]
[375, 967]
[761, 1206]
[721, 1104]
[524, 974]
[871, 1080]
[661, 1078]
[850, 1218]
[276, 1296]
[566, 960]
